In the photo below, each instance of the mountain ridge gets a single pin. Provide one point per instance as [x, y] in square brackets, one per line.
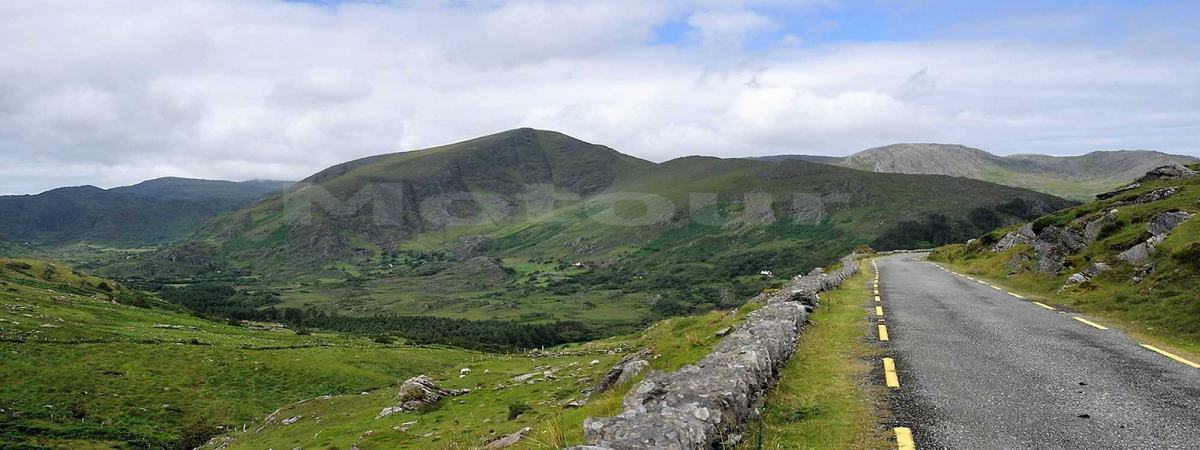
[153, 211]
[1078, 177]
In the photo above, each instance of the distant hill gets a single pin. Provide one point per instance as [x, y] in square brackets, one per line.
[534, 225]
[155, 211]
[820, 159]
[1074, 177]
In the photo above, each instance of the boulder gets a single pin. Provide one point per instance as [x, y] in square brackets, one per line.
[468, 247]
[1141, 252]
[1091, 231]
[1152, 196]
[1023, 235]
[1163, 223]
[620, 373]
[508, 441]
[1052, 247]
[421, 392]
[1095, 269]
[1016, 263]
[1141, 273]
[1118, 191]
[1172, 171]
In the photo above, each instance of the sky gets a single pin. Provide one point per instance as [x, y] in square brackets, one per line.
[113, 92]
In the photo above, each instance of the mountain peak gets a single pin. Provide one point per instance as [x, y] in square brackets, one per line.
[923, 158]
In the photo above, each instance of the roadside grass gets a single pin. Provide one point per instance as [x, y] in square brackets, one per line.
[1163, 309]
[1117, 305]
[824, 399]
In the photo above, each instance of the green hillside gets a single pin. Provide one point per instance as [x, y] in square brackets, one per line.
[89, 363]
[544, 228]
[1073, 177]
[155, 211]
[1132, 257]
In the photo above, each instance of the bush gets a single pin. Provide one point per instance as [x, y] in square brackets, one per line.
[516, 408]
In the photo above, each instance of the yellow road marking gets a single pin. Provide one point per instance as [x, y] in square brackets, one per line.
[1045, 306]
[879, 311]
[889, 373]
[995, 287]
[883, 334]
[1169, 355]
[904, 439]
[1015, 295]
[1090, 323]
[878, 299]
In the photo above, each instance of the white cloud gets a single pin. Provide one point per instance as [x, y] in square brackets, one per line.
[723, 28]
[113, 92]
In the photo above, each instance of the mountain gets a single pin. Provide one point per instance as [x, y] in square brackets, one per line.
[1074, 177]
[154, 211]
[820, 159]
[537, 226]
[1131, 256]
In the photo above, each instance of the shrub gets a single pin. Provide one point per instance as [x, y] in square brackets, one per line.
[516, 408]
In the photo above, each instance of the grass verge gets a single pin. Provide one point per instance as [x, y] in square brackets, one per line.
[824, 399]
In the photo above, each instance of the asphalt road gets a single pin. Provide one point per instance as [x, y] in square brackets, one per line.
[982, 369]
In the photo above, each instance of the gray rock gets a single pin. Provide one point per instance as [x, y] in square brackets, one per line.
[1077, 278]
[700, 405]
[1091, 231]
[1163, 223]
[1141, 252]
[1023, 235]
[508, 441]
[1095, 269]
[1016, 263]
[1172, 171]
[1152, 196]
[621, 372]
[1053, 245]
[1118, 191]
[1141, 273]
[724, 331]
[420, 392]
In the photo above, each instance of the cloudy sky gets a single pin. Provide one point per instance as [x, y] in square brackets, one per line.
[109, 93]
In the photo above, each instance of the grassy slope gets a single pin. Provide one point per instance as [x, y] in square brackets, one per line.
[470, 420]
[824, 399]
[1163, 307]
[82, 371]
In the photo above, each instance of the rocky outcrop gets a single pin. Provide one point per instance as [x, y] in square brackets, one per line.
[468, 247]
[1172, 171]
[704, 404]
[620, 373]
[1052, 247]
[1158, 228]
[1152, 196]
[1023, 235]
[1091, 231]
[1163, 223]
[420, 393]
[508, 441]
[1118, 191]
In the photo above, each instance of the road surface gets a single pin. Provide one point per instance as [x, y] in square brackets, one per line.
[979, 368]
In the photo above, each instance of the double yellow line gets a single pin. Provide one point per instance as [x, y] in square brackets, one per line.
[904, 435]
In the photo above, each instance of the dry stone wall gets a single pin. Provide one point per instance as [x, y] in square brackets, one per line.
[706, 404]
